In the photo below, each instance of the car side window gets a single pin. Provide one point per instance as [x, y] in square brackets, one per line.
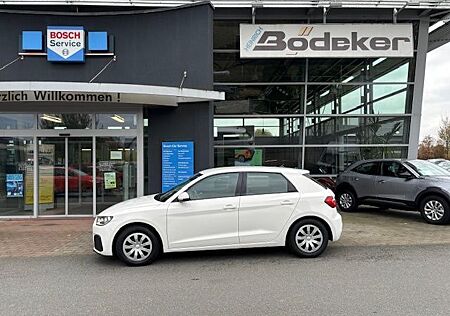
[369, 168]
[267, 183]
[394, 169]
[215, 186]
[59, 172]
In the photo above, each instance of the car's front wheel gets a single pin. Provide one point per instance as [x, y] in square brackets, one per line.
[137, 245]
[346, 200]
[308, 238]
[435, 210]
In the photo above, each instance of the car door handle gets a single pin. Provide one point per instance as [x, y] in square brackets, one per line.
[381, 181]
[356, 179]
[287, 202]
[229, 207]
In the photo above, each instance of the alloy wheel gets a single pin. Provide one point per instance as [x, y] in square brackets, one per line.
[345, 200]
[309, 238]
[137, 247]
[434, 210]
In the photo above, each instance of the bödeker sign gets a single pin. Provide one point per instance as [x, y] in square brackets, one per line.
[326, 40]
[65, 43]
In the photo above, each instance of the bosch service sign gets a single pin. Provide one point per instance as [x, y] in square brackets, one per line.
[65, 43]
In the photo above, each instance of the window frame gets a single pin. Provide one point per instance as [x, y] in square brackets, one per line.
[378, 164]
[400, 165]
[237, 191]
[290, 188]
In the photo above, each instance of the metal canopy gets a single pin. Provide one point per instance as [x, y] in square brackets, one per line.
[439, 37]
[407, 4]
[44, 91]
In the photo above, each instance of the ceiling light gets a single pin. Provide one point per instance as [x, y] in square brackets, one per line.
[51, 118]
[348, 79]
[325, 93]
[118, 118]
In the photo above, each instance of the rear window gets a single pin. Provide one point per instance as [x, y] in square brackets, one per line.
[317, 181]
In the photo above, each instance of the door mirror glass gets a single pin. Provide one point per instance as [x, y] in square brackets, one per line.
[183, 197]
[406, 175]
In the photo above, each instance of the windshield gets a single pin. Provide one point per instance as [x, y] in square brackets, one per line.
[427, 169]
[162, 197]
[444, 164]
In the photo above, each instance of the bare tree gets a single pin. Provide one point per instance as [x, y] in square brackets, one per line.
[426, 148]
[444, 134]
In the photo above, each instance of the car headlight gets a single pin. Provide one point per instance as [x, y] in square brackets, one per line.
[103, 220]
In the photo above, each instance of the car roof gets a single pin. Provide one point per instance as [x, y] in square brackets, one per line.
[253, 169]
[360, 162]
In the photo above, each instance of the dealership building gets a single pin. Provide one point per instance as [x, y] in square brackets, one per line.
[103, 101]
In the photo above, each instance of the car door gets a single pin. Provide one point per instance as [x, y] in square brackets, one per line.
[363, 178]
[395, 182]
[267, 202]
[209, 217]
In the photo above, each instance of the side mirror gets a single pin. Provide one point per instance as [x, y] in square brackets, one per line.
[407, 176]
[183, 197]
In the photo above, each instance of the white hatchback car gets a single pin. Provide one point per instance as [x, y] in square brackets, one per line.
[222, 208]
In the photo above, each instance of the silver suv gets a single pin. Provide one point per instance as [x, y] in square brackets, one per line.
[405, 184]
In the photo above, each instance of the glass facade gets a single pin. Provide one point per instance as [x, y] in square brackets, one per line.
[16, 176]
[65, 121]
[80, 169]
[116, 170]
[320, 114]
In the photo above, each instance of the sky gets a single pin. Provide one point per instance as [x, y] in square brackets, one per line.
[436, 98]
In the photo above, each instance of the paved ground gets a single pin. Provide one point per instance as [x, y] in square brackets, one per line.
[368, 227]
[45, 237]
[387, 263]
[377, 280]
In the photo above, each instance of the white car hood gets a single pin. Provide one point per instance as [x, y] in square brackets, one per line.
[137, 204]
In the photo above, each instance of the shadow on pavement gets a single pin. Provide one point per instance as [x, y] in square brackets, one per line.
[388, 213]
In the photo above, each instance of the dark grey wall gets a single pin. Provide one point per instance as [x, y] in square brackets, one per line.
[151, 48]
[187, 122]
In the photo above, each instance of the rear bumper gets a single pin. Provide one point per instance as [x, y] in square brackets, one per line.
[336, 226]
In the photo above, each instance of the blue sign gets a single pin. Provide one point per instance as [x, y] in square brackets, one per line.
[66, 43]
[31, 40]
[177, 163]
[14, 185]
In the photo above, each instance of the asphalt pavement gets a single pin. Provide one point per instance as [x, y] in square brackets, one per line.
[346, 280]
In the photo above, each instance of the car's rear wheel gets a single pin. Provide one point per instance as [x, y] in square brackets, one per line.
[435, 210]
[308, 238]
[137, 245]
[346, 200]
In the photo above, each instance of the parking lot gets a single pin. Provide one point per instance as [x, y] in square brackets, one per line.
[387, 263]
[369, 226]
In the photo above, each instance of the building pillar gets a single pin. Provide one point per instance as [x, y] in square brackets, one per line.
[419, 78]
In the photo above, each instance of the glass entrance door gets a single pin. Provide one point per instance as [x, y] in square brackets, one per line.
[80, 176]
[52, 184]
[65, 174]
[116, 170]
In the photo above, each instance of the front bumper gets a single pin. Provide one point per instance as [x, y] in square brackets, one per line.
[104, 235]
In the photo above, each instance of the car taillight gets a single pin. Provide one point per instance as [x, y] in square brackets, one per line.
[331, 202]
